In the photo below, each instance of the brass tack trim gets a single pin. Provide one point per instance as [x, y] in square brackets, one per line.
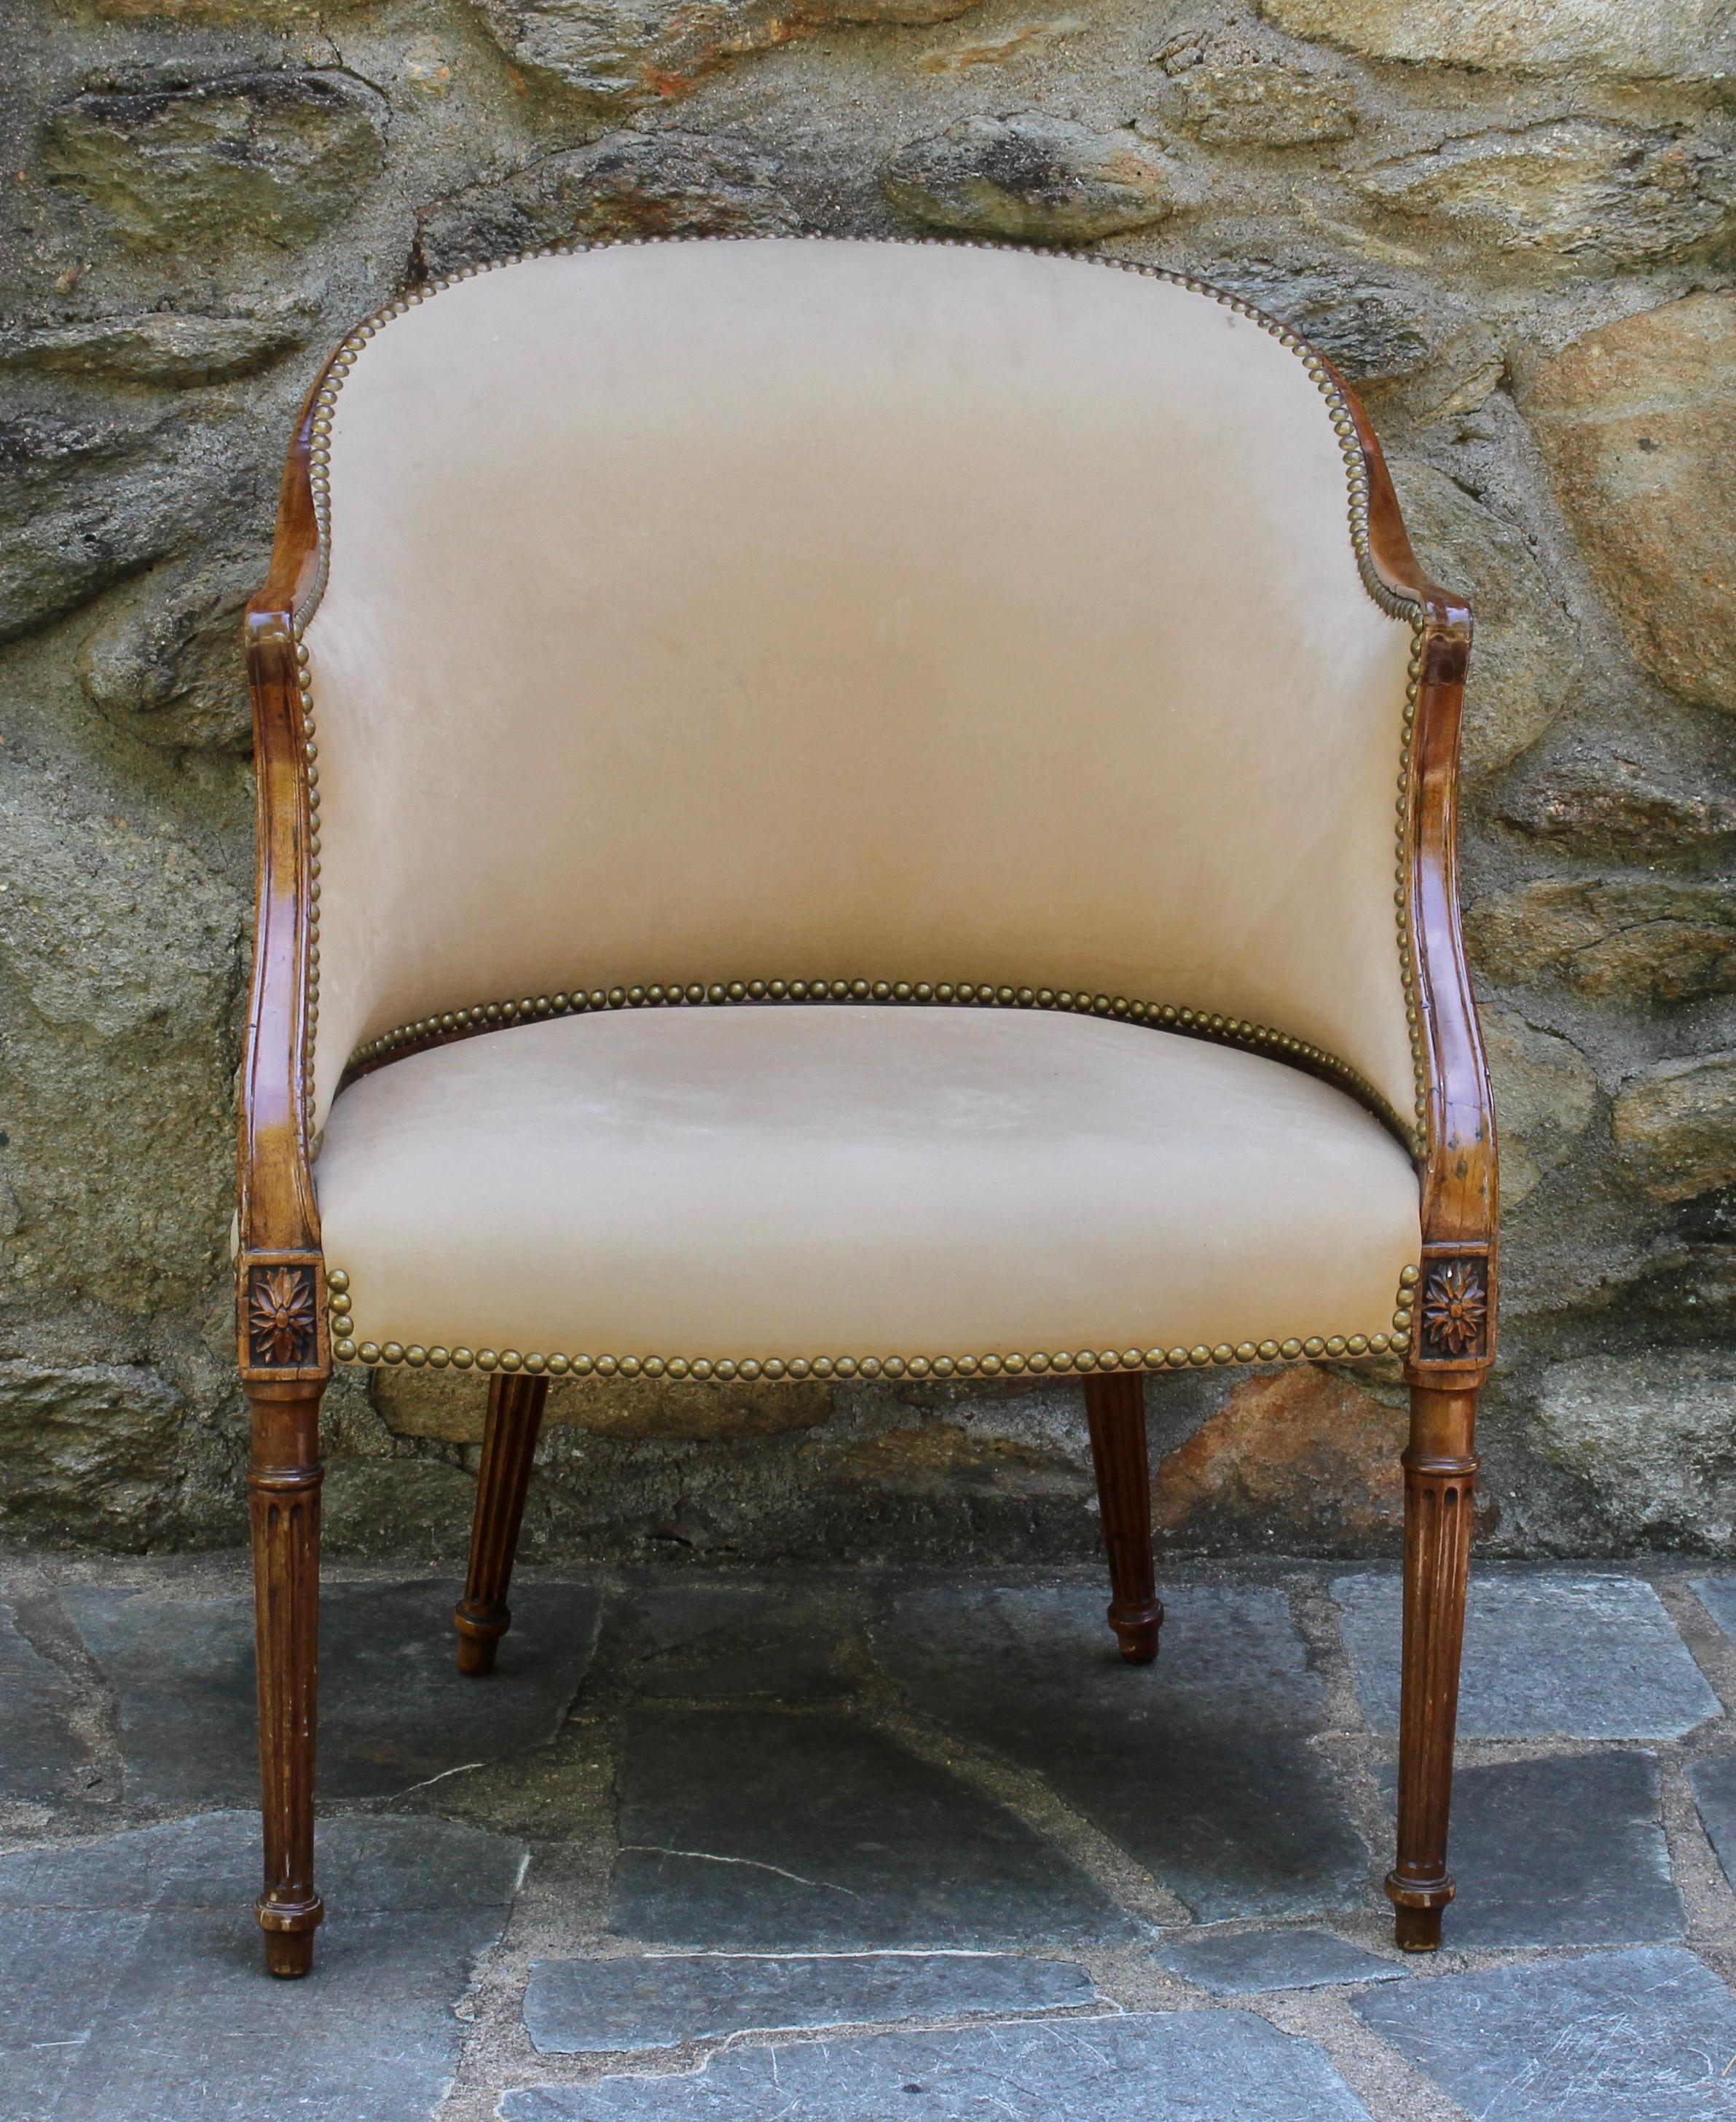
[1239, 1032]
[349, 1347]
[1396, 604]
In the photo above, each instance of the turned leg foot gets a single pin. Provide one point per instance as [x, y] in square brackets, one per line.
[283, 1496]
[1114, 1410]
[482, 1617]
[1440, 1473]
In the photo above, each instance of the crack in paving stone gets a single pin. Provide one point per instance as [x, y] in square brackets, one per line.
[1647, 2036]
[588, 2006]
[916, 1856]
[1215, 2066]
[1200, 1767]
[132, 1987]
[754, 1864]
[393, 1708]
[1547, 1656]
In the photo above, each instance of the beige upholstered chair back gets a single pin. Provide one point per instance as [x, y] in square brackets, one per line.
[700, 613]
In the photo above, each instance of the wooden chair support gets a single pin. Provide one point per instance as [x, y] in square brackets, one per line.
[283, 1496]
[482, 1617]
[1440, 1479]
[1115, 1409]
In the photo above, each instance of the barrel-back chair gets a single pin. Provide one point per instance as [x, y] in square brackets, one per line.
[836, 809]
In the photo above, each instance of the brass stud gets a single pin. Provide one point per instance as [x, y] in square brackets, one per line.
[1313, 1346]
[343, 1350]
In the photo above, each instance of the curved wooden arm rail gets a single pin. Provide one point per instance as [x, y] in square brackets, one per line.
[1444, 1325]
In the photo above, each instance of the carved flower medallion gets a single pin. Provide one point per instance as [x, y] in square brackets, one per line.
[280, 1314]
[1455, 1307]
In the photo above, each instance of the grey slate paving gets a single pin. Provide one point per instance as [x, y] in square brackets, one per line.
[40, 1753]
[587, 2006]
[1565, 1851]
[1198, 1766]
[717, 1643]
[394, 1709]
[1548, 1654]
[1714, 1783]
[112, 2013]
[760, 1830]
[1248, 1963]
[1641, 2036]
[1717, 1595]
[1180, 2066]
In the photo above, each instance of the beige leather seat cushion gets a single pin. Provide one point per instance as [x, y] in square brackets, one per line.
[800, 1182]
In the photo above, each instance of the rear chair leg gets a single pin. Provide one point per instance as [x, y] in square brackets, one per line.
[1115, 1408]
[482, 1617]
[1440, 1477]
[283, 1498]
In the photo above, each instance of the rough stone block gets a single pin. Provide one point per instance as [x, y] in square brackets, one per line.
[1547, 1655]
[1311, 1456]
[1527, 650]
[275, 156]
[1190, 2066]
[86, 1451]
[1546, 1094]
[393, 1708]
[1032, 180]
[617, 56]
[1567, 1851]
[1249, 1963]
[40, 1752]
[1683, 39]
[1199, 1766]
[758, 1830]
[1714, 1781]
[1566, 190]
[1633, 421]
[587, 2006]
[1649, 1436]
[132, 1988]
[1639, 942]
[1640, 2036]
[629, 186]
[156, 347]
[1675, 1128]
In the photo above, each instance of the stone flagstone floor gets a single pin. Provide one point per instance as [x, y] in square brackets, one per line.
[817, 1847]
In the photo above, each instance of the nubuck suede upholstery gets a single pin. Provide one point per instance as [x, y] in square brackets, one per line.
[704, 630]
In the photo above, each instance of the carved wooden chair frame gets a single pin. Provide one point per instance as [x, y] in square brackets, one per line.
[288, 1304]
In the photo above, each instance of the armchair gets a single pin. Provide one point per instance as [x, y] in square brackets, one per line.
[834, 808]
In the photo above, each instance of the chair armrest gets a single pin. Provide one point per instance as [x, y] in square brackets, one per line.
[282, 1312]
[1452, 1340]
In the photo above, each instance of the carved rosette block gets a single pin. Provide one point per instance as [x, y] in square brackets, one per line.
[282, 1317]
[1454, 1327]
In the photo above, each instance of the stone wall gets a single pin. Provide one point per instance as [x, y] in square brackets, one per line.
[1511, 221]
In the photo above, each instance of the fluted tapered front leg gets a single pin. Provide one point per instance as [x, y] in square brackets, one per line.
[1115, 1408]
[482, 1616]
[284, 1490]
[1440, 1489]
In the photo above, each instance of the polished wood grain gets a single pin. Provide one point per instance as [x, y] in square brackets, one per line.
[283, 1336]
[1453, 1323]
[283, 1500]
[1115, 1413]
[514, 1421]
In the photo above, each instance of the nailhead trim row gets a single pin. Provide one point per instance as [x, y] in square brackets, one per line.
[1199, 1024]
[1395, 603]
[347, 1349]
